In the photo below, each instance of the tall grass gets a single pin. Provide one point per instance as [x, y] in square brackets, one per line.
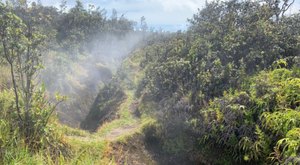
[14, 148]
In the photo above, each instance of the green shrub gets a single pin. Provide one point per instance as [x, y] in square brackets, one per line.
[289, 147]
[14, 147]
[253, 121]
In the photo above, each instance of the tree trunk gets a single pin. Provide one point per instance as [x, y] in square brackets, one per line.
[15, 91]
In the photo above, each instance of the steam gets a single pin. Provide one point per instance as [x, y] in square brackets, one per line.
[81, 79]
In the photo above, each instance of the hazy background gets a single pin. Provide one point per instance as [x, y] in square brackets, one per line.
[81, 79]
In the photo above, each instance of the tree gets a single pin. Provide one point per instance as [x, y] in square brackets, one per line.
[279, 7]
[11, 34]
[143, 24]
[21, 47]
[63, 6]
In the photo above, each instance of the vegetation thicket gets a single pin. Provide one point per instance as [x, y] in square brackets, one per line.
[31, 34]
[228, 86]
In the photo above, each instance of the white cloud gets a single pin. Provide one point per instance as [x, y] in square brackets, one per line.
[296, 7]
[55, 3]
[179, 5]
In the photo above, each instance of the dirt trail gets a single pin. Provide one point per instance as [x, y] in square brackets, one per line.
[118, 132]
[113, 130]
[110, 136]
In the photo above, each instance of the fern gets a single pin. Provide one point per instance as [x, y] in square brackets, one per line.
[290, 145]
[281, 122]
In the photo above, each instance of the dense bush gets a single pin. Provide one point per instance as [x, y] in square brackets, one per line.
[255, 122]
[238, 69]
[14, 145]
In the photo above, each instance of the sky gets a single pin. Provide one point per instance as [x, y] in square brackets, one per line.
[169, 15]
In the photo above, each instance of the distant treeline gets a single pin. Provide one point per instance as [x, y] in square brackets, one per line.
[75, 28]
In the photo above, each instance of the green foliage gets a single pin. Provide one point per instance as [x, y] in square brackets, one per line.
[104, 106]
[25, 120]
[251, 124]
[280, 64]
[254, 150]
[44, 138]
[78, 27]
[289, 147]
[221, 68]
[152, 132]
[5, 82]
[280, 122]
